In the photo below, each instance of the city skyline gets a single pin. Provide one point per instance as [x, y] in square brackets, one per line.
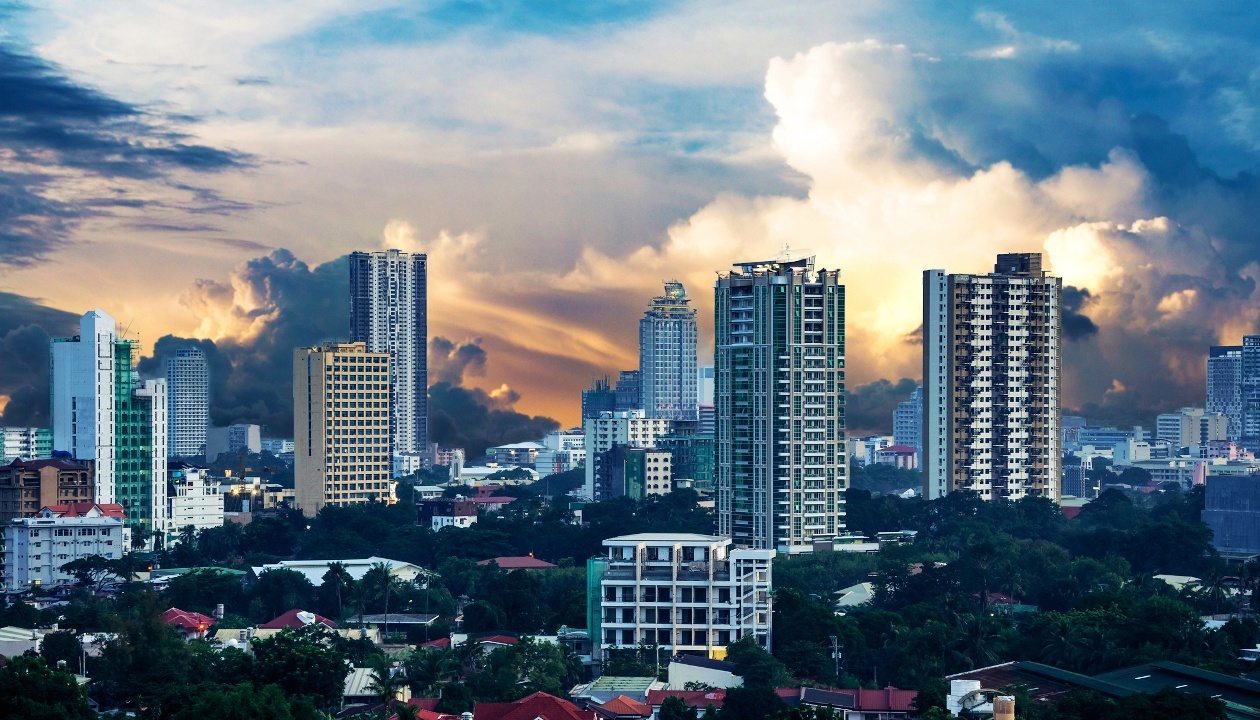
[1132, 189]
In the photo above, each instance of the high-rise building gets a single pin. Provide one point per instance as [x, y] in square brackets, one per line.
[341, 426]
[140, 442]
[668, 377]
[629, 391]
[704, 384]
[389, 314]
[633, 472]
[83, 398]
[908, 422]
[1191, 426]
[991, 362]
[25, 443]
[782, 469]
[1224, 386]
[187, 402]
[601, 398]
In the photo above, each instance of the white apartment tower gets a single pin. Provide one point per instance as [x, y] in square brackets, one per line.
[689, 594]
[668, 377]
[341, 426]
[187, 402]
[389, 314]
[991, 380]
[782, 465]
[83, 398]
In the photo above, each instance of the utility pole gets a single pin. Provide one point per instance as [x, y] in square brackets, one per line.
[835, 654]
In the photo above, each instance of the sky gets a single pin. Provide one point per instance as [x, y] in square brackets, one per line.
[200, 170]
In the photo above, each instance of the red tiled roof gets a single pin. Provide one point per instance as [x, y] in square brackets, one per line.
[500, 639]
[887, 700]
[493, 500]
[1070, 511]
[439, 643]
[527, 562]
[187, 620]
[59, 463]
[424, 703]
[291, 620]
[694, 698]
[81, 509]
[540, 706]
[624, 705]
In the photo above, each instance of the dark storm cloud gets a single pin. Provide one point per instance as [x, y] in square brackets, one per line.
[26, 328]
[1076, 325]
[869, 408]
[450, 362]
[52, 128]
[472, 419]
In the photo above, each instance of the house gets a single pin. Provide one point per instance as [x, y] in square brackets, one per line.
[490, 643]
[439, 644]
[359, 690]
[887, 704]
[528, 562]
[397, 621]
[190, 625]
[621, 707]
[442, 513]
[539, 706]
[295, 619]
[685, 669]
[607, 687]
[698, 699]
[902, 457]
[314, 570]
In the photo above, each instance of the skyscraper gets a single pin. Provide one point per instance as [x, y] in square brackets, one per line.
[991, 364]
[628, 393]
[83, 398]
[1224, 386]
[389, 314]
[187, 402]
[1251, 392]
[341, 426]
[102, 411]
[779, 353]
[668, 377]
[908, 422]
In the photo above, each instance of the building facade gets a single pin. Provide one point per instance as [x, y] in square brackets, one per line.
[908, 421]
[194, 499]
[187, 402]
[140, 454]
[1231, 507]
[1224, 386]
[691, 459]
[36, 548]
[668, 375]
[782, 469]
[438, 514]
[629, 391]
[601, 398]
[689, 594]
[630, 427]
[991, 380]
[83, 398]
[389, 313]
[25, 443]
[26, 486]
[1191, 426]
[632, 472]
[341, 426]
[233, 439]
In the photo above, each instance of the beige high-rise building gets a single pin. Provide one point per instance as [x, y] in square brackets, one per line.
[341, 426]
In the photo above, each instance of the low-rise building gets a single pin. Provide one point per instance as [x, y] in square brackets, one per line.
[193, 499]
[521, 454]
[28, 485]
[37, 548]
[691, 670]
[550, 462]
[314, 570]
[902, 457]
[189, 625]
[239, 438]
[692, 594]
[438, 514]
[632, 472]
[25, 443]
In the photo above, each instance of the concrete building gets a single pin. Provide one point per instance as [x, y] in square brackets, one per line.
[438, 514]
[908, 421]
[629, 391]
[233, 439]
[1224, 386]
[571, 439]
[601, 398]
[708, 420]
[194, 498]
[862, 450]
[36, 548]
[26, 486]
[341, 427]
[25, 443]
[389, 313]
[691, 594]
[83, 411]
[902, 457]
[1191, 426]
[634, 472]
[1231, 507]
[550, 462]
[692, 459]
[668, 377]
[277, 446]
[187, 402]
[630, 427]
[782, 469]
[522, 454]
[991, 380]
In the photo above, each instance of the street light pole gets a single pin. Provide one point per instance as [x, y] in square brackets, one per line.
[835, 654]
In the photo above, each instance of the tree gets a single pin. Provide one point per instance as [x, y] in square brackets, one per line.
[91, 572]
[759, 668]
[34, 691]
[675, 708]
[386, 683]
[337, 588]
[61, 645]
[302, 663]
[280, 590]
[227, 702]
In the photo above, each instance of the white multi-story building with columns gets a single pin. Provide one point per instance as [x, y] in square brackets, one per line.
[691, 594]
[37, 548]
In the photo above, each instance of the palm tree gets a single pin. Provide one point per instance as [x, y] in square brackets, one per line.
[386, 682]
[340, 578]
[429, 669]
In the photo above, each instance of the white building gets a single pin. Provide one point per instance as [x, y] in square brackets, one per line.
[550, 462]
[521, 453]
[187, 402]
[443, 513]
[83, 398]
[627, 427]
[572, 439]
[691, 594]
[389, 313]
[36, 548]
[908, 421]
[704, 384]
[405, 464]
[277, 446]
[314, 570]
[667, 356]
[25, 443]
[1191, 426]
[238, 438]
[194, 498]
[483, 474]
[991, 381]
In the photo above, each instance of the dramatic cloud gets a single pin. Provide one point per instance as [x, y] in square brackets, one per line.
[449, 363]
[26, 327]
[869, 408]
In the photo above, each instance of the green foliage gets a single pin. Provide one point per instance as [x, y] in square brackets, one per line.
[224, 702]
[527, 667]
[20, 614]
[759, 668]
[302, 662]
[31, 690]
[674, 708]
[61, 646]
